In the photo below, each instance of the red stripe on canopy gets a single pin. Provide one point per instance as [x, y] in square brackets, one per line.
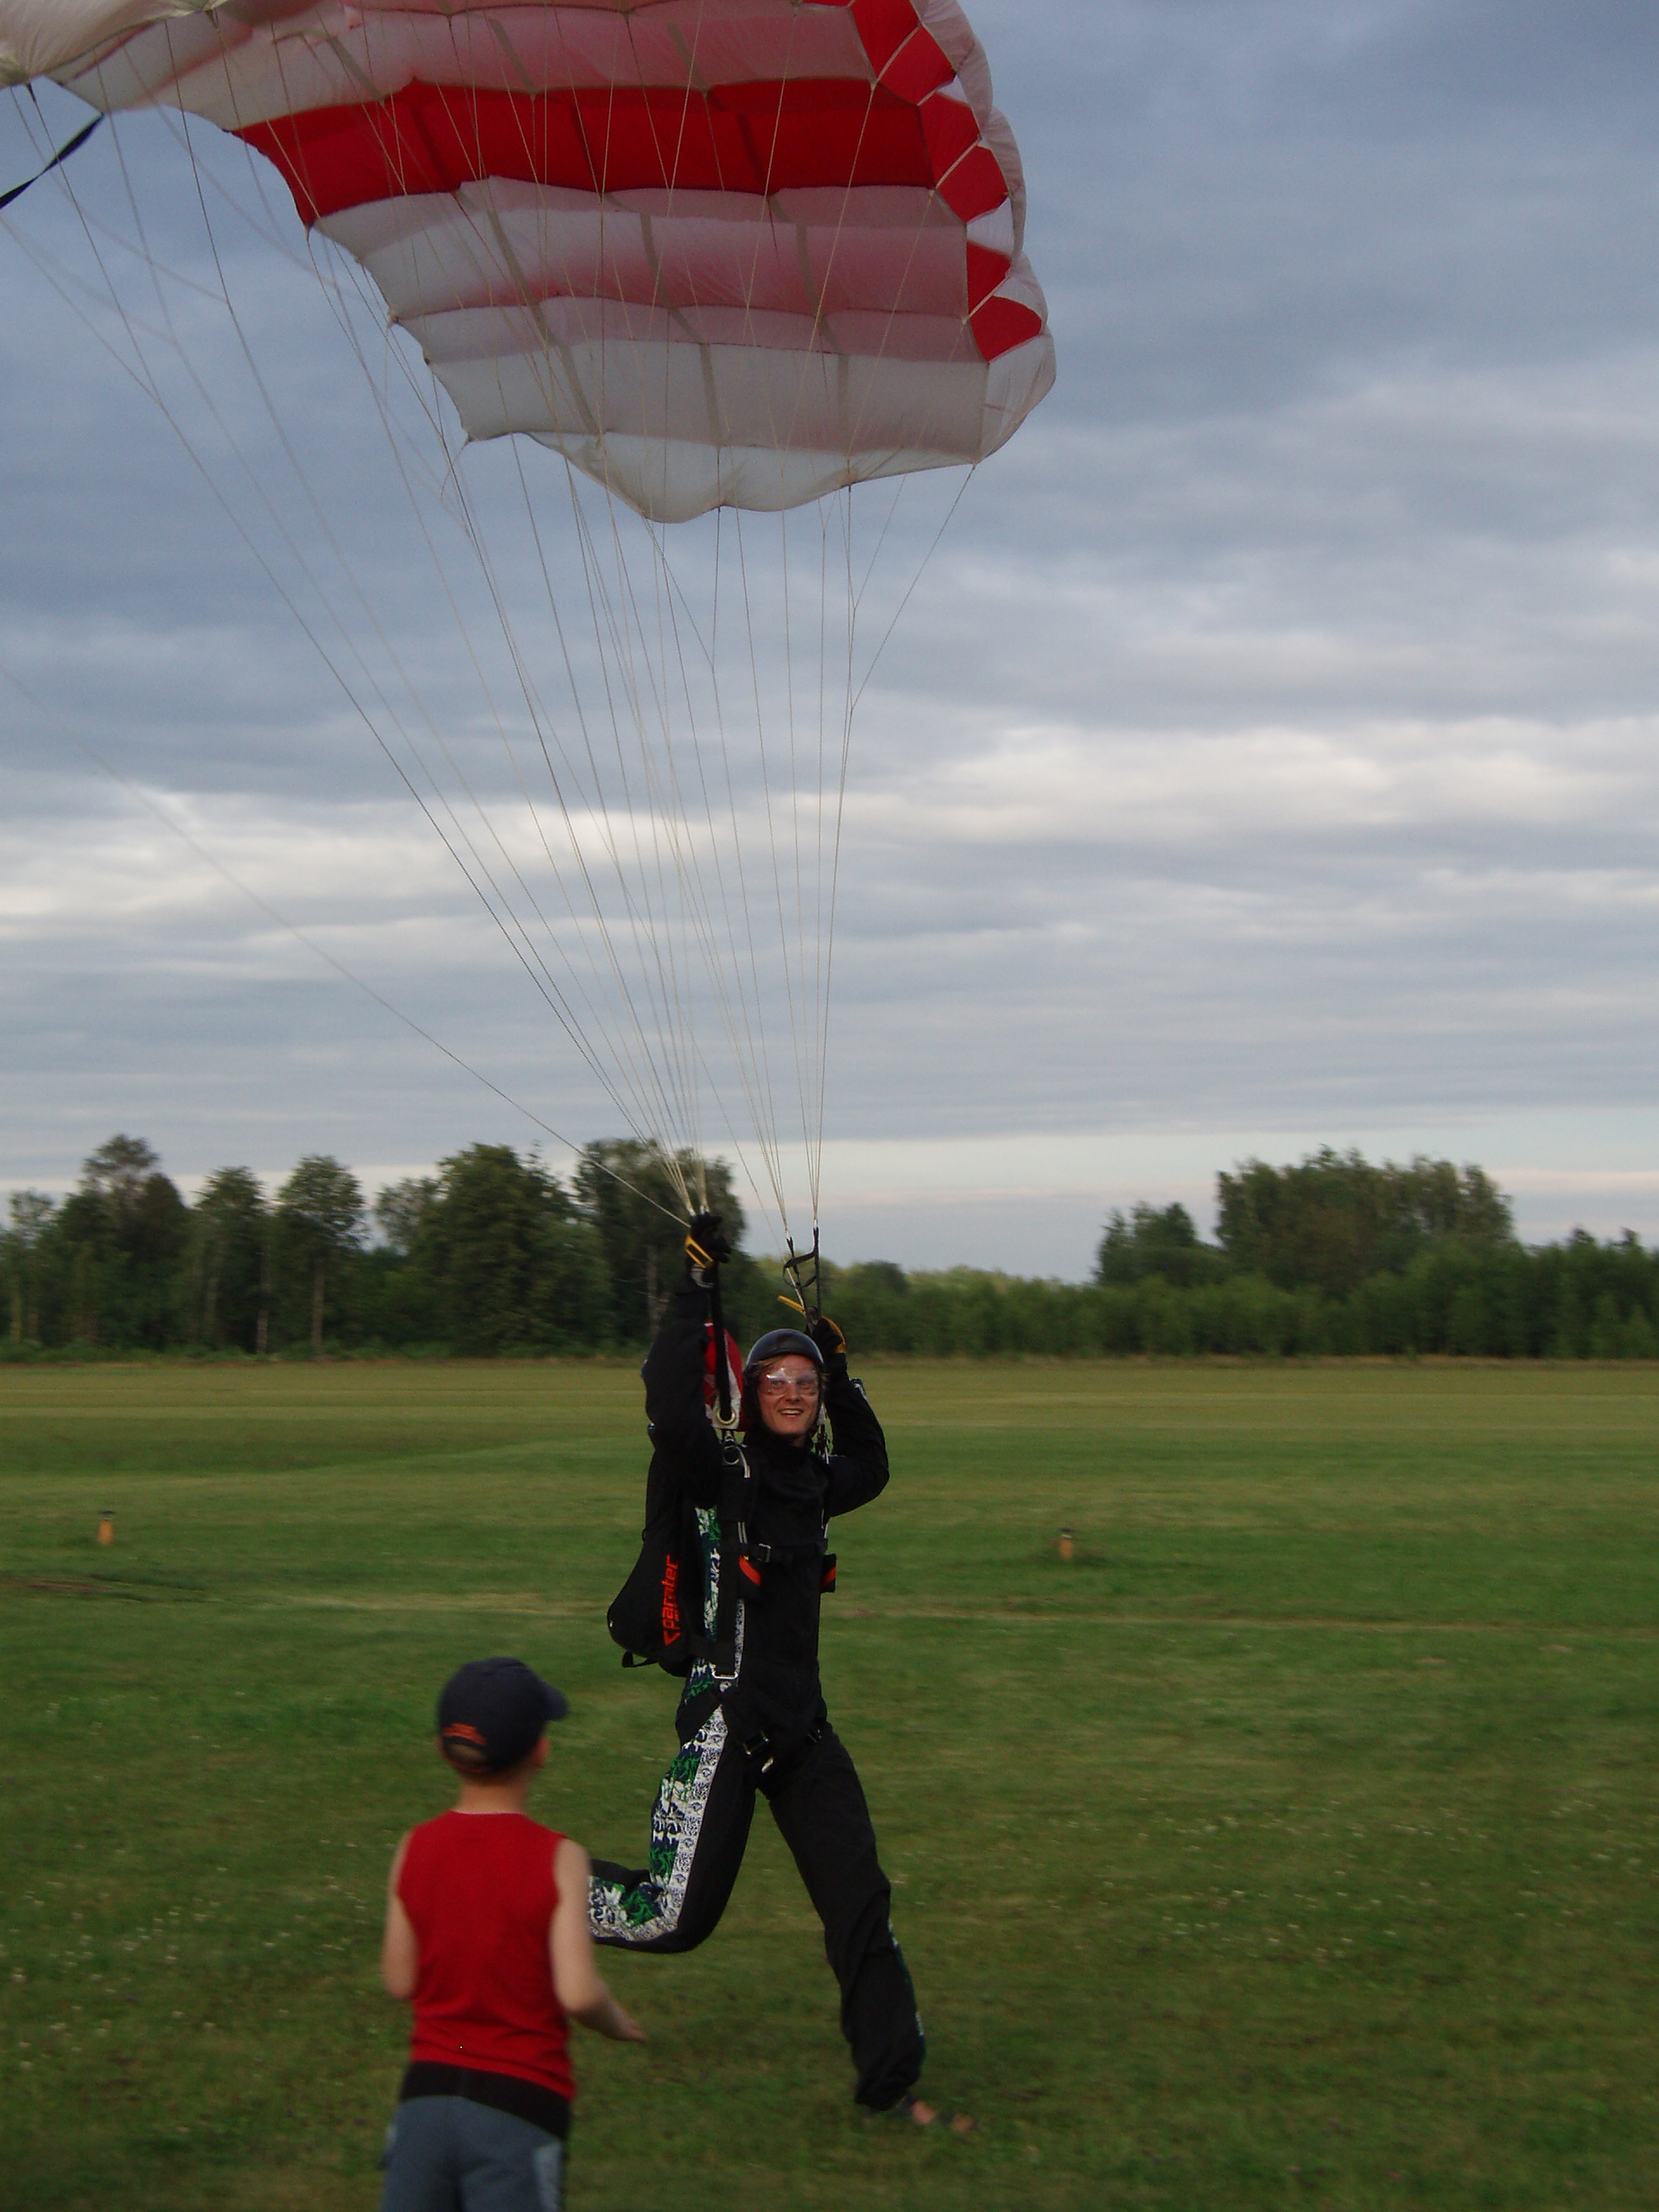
[1000, 325]
[908, 128]
[754, 138]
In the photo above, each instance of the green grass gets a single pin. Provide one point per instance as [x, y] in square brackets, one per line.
[1296, 1845]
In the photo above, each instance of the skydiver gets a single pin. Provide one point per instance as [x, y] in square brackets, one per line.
[752, 1716]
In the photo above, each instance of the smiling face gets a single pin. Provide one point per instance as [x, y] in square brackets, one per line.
[787, 1391]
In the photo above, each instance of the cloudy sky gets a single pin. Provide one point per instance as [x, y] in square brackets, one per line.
[1266, 756]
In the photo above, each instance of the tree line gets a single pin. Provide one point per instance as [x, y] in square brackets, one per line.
[494, 1254]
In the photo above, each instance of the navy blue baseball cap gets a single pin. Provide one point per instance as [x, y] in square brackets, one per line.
[492, 1713]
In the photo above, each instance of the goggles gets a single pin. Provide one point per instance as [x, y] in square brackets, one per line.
[776, 1380]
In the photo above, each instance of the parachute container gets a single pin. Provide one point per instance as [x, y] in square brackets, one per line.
[715, 252]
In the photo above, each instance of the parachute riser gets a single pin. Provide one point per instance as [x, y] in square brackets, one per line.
[725, 1413]
[802, 1272]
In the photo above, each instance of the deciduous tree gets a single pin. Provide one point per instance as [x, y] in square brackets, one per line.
[514, 1267]
[1335, 1219]
[230, 1251]
[1159, 1241]
[28, 1218]
[319, 1224]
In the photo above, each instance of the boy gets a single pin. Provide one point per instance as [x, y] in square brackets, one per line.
[488, 1935]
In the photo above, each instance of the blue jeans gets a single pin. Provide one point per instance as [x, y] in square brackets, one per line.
[447, 2154]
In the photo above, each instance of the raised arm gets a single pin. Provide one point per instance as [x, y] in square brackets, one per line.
[858, 1469]
[673, 1374]
[570, 1946]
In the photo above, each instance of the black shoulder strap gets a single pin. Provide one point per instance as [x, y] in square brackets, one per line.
[737, 1492]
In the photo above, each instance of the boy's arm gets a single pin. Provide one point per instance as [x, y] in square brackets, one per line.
[400, 1954]
[570, 1942]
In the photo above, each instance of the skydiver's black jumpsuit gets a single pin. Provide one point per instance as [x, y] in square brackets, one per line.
[763, 1726]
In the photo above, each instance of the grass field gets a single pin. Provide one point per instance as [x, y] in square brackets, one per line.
[1296, 1845]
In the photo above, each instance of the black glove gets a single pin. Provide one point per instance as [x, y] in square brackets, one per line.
[706, 1245]
[826, 1334]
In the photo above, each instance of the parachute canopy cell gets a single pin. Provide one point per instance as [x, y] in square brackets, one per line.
[715, 252]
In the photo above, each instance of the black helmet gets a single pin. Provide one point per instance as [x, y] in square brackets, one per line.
[777, 1343]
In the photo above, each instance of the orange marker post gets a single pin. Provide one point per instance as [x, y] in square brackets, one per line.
[106, 1527]
[1068, 1546]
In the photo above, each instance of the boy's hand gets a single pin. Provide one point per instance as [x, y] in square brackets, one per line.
[606, 2017]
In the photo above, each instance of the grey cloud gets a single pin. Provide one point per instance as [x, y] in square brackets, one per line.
[1268, 743]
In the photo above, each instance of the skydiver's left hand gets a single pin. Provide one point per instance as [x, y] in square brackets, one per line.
[828, 1336]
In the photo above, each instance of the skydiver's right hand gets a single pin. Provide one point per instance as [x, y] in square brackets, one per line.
[706, 1245]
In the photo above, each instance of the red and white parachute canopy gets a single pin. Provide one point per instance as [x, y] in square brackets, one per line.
[716, 252]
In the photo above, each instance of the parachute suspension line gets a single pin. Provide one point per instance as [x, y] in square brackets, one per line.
[138, 369]
[594, 583]
[854, 600]
[725, 972]
[623, 619]
[723, 963]
[694, 906]
[814, 1104]
[841, 508]
[637, 1074]
[766, 789]
[623, 624]
[748, 1049]
[664, 839]
[145, 377]
[530, 704]
[612, 618]
[657, 1118]
[175, 828]
[569, 1020]
[802, 997]
[540, 724]
[599, 800]
[672, 907]
[670, 826]
[796, 939]
[660, 1139]
[763, 1106]
[695, 911]
[552, 601]
[726, 977]
[855, 695]
[311, 500]
[268, 231]
[910, 588]
[812, 1058]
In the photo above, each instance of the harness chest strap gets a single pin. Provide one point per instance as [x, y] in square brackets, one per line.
[741, 1559]
[675, 1640]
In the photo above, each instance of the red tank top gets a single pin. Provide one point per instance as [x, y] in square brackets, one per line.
[478, 1890]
